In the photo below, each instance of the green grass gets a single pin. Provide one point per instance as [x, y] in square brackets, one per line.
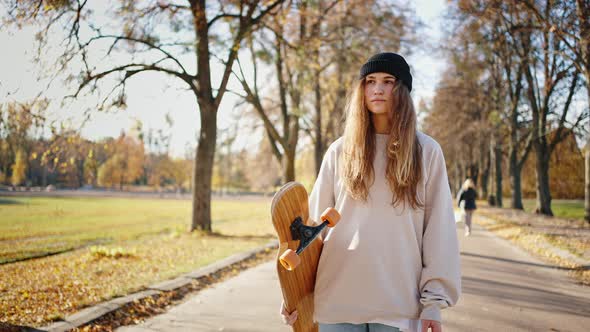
[142, 242]
[37, 226]
[138, 242]
[570, 209]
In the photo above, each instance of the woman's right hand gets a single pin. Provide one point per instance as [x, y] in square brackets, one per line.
[288, 318]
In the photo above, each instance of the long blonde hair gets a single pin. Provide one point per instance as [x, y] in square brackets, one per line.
[404, 152]
[468, 184]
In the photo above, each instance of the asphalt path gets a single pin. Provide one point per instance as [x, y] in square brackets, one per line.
[504, 289]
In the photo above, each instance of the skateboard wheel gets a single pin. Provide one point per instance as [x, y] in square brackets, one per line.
[290, 260]
[332, 216]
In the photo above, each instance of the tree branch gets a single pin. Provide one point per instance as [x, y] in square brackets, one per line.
[222, 16]
[245, 27]
[254, 99]
[558, 134]
[527, 149]
[558, 31]
[141, 41]
[130, 70]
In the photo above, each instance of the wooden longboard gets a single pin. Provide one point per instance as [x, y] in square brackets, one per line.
[297, 285]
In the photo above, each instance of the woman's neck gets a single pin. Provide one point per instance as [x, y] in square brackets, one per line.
[381, 123]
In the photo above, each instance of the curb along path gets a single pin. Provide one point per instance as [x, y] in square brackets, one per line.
[90, 314]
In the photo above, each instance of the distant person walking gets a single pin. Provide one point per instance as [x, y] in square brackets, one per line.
[466, 200]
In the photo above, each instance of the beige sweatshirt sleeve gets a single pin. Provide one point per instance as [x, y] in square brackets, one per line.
[322, 194]
[440, 282]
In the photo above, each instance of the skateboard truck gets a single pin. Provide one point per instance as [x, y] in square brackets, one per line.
[306, 235]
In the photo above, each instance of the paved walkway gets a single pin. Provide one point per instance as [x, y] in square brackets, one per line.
[504, 289]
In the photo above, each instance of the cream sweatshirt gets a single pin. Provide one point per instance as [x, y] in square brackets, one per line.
[383, 263]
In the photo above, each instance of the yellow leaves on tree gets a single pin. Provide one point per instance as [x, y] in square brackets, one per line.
[125, 165]
[566, 170]
[19, 169]
[166, 171]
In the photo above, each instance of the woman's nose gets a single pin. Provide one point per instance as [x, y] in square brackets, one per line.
[379, 88]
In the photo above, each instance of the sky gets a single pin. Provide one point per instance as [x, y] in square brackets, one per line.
[153, 95]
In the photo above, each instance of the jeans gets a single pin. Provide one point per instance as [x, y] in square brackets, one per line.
[346, 327]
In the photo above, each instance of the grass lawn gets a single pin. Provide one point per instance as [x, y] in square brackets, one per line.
[122, 245]
[32, 227]
[563, 208]
[563, 240]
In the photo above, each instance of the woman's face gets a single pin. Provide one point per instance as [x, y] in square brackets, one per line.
[379, 92]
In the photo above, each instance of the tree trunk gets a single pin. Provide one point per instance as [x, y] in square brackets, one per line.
[289, 166]
[317, 71]
[498, 153]
[335, 124]
[483, 166]
[515, 166]
[203, 170]
[462, 173]
[587, 190]
[457, 171]
[81, 174]
[319, 140]
[497, 156]
[516, 202]
[542, 174]
[485, 175]
[474, 173]
[282, 89]
[204, 156]
[582, 11]
[515, 183]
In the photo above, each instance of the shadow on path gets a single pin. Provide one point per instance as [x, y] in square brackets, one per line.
[541, 299]
[580, 268]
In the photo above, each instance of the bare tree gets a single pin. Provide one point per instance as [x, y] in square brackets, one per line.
[587, 180]
[316, 49]
[520, 136]
[574, 32]
[144, 26]
[541, 59]
[541, 65]
[286, 138]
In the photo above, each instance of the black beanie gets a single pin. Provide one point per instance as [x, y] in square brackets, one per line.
[390, 63]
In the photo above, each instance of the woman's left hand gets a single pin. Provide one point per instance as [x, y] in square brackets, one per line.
[433, 324]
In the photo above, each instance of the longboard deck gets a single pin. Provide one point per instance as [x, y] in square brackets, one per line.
[290, 202]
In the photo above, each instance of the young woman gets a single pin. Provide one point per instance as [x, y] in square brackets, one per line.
[467, 195]
[392, 262]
